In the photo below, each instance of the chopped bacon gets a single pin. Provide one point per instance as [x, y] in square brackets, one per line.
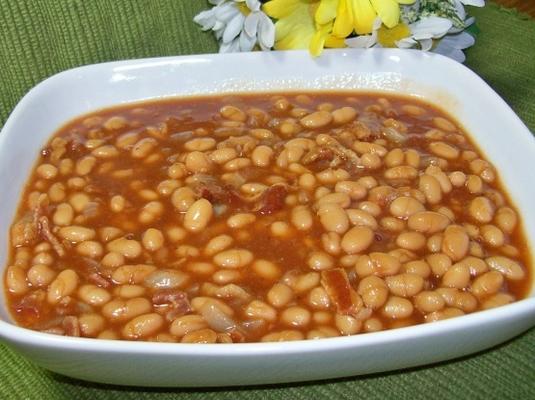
[336, 283]
[176, 299]
[318, 153]
[28, 308]
[71, 325]
[272, 199]
[46, 233]
[92, 272]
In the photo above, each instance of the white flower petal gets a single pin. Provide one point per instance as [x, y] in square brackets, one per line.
[426, 44]
[459, 41]
[246, 42]
[234, 27]
[226, 12]
[253, 5]
[206, 19]
[475, 3]
[266, 32]
[251, 23]
[231, 47]
[434, 27]
[406, 43]
[450, 52]
[362, 41]
[216, 2]
[459, 9]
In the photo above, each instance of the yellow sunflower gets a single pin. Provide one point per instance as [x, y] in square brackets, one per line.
[315, 24]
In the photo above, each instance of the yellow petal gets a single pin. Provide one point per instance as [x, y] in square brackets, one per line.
[363, 16]
[280, 8]
[405, 1]
[343, 24]
[326, 11]
[388, 10]
[335, 42]
[295, 30]
[318, 40]
[388, 37]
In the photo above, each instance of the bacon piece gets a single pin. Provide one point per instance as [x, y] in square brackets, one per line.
[336, 283]
[71, 325]
[29, 307]
[272, 199]
[46, 233]
[91, 270]
[176, 299]
[316, 154]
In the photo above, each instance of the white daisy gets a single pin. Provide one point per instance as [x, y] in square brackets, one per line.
[238, 25]
[424, 31]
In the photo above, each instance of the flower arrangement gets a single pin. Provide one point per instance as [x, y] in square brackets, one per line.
[430, 25]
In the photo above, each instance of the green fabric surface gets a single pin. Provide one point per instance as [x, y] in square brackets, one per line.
[41, 37]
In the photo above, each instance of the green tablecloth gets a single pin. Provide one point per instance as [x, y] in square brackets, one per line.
[41, 37]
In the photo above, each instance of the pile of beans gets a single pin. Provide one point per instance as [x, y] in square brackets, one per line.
[261, 218]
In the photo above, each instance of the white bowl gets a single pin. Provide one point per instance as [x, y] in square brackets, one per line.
[493, 125]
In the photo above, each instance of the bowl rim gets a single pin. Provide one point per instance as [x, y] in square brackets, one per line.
[16, 334]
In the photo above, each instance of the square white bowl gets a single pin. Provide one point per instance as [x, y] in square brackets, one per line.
[492, 124]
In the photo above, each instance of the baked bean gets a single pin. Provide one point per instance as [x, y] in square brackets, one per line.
[444, 124]
[331, 242]
[419, 267]
[112, 259]
[63, 285]
[234, 258]
[439, 263]
[428, 222]
[186, 324]
[107, 151]
[357, 239]
[240, 220]
[397, 308]
[143, 148]
[126, 247]
[333, 217]
[392, 224]
[63, 215]
[85, 165]
[429, 301]
[266, 269]
[405, 285]
[280, 228]
[117, 203]
[455, 242]
[129, 291]
[132, 273]
[497, 300]
[47, 171]
[394, 158]
[153, 239]
[481, 209]
[446, 313]
[79, 201]
[510, 268]
[39, 275]
[283, 336]
[492, 235]
[94, 295]
[404, 207]
[280, 295]
[431, 189]
[344, 115]
[76, 234]
[119, 310]
[444, 150]
[457, 276]
[90, 249]
[143, 326]
[319, 260]
[373, 291]
[16, 280]
[411, 240]
[401, 172]
[362, 218]
[347, 325]
[198, 215]
[506, 219]
[316, 120]
[380, 264]
[301, 218]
